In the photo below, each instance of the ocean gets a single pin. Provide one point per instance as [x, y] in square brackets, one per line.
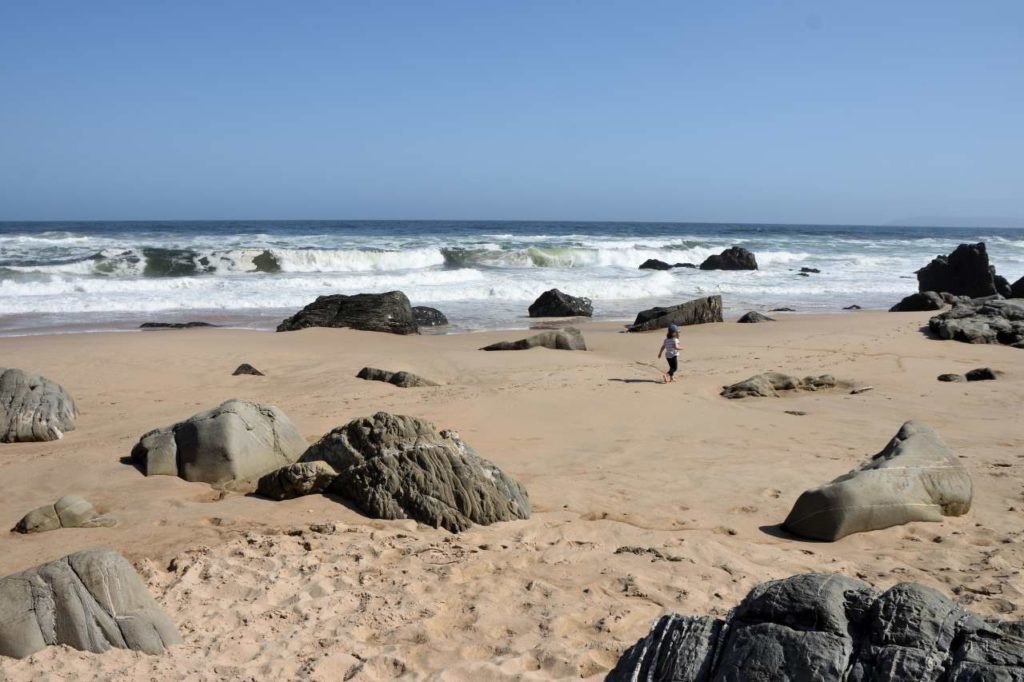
[93, 276]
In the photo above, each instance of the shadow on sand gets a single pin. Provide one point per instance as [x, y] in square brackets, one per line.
[637, 381]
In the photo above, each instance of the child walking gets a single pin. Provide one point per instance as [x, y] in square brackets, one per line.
[670, 347]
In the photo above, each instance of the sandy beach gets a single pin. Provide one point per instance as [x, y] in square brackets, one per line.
[647, 498]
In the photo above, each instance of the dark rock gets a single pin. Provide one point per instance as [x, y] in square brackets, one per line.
[91, 601]
[554, 303]
[697, 311]
[401, 379]
[753, 317]
[569, 338]
[428, 317]
[1017, 289]
[685, 265]
[802, 274]
[654, 264]
[828, 627]
[813, 271]
[246, 368]
[33, 408]
[70, 511]
[397, 467]
[927, 300]
[981, 374]
[175, 325]
[950, 378]
[914, 478]
[296, 480]
[768, 384]
[993, 321]
[389, 312]
[965, 272]
[954, 300]
[733, 258]
[852, 307]
[782, 310]
[267, 262]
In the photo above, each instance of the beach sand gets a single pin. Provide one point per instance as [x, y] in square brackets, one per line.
[648, 498]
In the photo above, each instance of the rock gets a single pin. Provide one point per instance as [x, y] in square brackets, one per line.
[697, 311]
[813, 271]
[981, 374]
[175, 325]
[861, 389]
[753, 317]
[568, 338]
[234, 443]
[389, 312]
[246, 368]
[685, 265]
[428, 317]
[69, 511]
[401, 379]
[554, 303]
[296, 480]
[928, 300]
[397, 467]
[33, 408]
[823, 626]
[852, 307]
[782, 310]
[733, 258]
[768, 384]
[654, 264]
[91, 600]
[952, 377]
[965, 272]
[914, 478]
[993, 321]
[1017, 289]
[953, 300]
[802, 274]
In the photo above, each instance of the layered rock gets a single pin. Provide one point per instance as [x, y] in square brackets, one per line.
[753, 317]
[91, 600]
[234, 443]
[428, 317]
[964, 272]
[993, 321]
[697, 311]
[768, 385]
[70, 511]
[568, 338]
[733, 258]
[914, 478]
[829, 627]
[925, 300]
[554, 303]
[401, 379]
[33, 408]
[296, 480]
[388, 312]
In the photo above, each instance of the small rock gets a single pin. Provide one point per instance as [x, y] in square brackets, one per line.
[754, 317]
[981, 374]
[246, 368]
[952, 377]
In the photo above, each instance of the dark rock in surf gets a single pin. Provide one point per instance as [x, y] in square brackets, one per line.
[685, 265]
[33, 408]
[246, 368]
[400, 379]
[428, 317]
[964, 272]
[568, 338]
[754, 317]
[654, 264]
[175, 325]
[926, 300]
[782, 310]
[852, 307]
[812, 271]
[733, 258]
[267, 262]
[554, 303]
[388, 312]
[697, 311]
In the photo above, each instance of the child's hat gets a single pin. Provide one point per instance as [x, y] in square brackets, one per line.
[673, 328]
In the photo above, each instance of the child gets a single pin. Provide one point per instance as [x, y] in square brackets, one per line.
[670, 347]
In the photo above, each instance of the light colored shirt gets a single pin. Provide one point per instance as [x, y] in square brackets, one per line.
[671, 348]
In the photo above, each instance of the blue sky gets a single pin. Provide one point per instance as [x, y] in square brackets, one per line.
[789, 111]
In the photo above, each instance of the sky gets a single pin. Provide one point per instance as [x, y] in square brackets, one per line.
[845, 112]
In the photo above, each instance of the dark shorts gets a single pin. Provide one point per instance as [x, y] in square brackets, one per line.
[673, 365]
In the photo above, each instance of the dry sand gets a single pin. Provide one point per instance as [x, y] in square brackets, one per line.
[694, 483]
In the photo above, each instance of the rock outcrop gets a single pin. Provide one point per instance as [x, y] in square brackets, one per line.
[246, 368]
[733, 258]
[829, 627]
[753, 317]
[697, 311]
[91, 600]
[925, 300]
[993, 321]
[654, 264]
[401, 379]
[389, 312]
[428, 317]
[768, 385]
[175, 325]
[964, 272]
[296, 480]
[554, 303]
[33, 408]
[234, 443]
[914, 478]
[70, 511]
[568, 338]
[1017, 289]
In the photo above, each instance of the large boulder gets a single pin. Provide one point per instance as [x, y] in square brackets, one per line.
[569, 338]
[829, 627]
[924, 300]
[397, 467]
[697, 311]
[70, 511]
[965, 272]
[768, 385]
[234, 443]
[33, 408]
[401, 379]
[1017, 289]
[389, 312]
[992, 321]
[428, 317]
[753, 317]
[554, 303]
[655, 264]
[914, 478]
[91, 600]
[733, 258]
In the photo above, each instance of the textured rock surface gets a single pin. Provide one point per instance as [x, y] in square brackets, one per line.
[753, 317]
[295, 480]
[236, 442]
[402, 379]
[829, 627]
[397, 467]
[952, 378]
[389, 312]
[733, 258]
[768, 385]
[914, 478]
[569, 338]
[246, 368]
[925, 300]
[33, 408]
[981, 374]
[965, 272]
[70, 511]
[554, 303]
[428, 317]
[697, 311]
[91, 600]
[655, 264]
[992, 321]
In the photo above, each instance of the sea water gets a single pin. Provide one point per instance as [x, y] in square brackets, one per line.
[90, 276]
